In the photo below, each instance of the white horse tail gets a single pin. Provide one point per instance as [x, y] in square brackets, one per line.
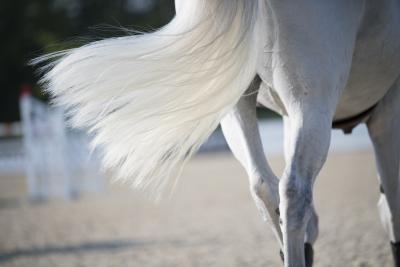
[152, 99]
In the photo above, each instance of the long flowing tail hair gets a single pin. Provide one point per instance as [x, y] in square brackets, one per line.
[152, 99]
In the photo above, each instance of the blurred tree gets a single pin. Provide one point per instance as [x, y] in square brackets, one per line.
[30, 28]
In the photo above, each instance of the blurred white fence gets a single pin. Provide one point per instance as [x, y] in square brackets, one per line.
[12, 160]
[57, 162]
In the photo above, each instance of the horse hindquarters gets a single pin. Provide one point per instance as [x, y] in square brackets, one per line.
[384, 130]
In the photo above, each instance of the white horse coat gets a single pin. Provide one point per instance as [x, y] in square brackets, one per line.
[152, 99]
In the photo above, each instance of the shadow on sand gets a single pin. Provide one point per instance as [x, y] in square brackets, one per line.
[102, 246]
[108, 246]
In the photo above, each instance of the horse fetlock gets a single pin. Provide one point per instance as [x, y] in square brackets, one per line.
[312, 230]
[294, 218]
[295, 222]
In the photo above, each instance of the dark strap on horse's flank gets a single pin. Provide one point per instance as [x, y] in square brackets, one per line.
[396, 253]
[308, 254]
[348, 124]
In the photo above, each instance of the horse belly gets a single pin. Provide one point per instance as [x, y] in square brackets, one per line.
[376, 59]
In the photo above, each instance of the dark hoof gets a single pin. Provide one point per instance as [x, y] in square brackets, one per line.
[396, 253]
[282, 256]
[308, 253]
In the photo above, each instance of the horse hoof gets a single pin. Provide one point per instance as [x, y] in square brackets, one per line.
[309, 254]
[396, 253]
[282, 255]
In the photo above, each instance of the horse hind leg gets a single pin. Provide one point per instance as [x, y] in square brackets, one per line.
[384, 130]
[240, 128]
[312, 229]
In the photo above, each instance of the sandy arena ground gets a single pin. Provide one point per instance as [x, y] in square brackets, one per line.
[210, 221]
